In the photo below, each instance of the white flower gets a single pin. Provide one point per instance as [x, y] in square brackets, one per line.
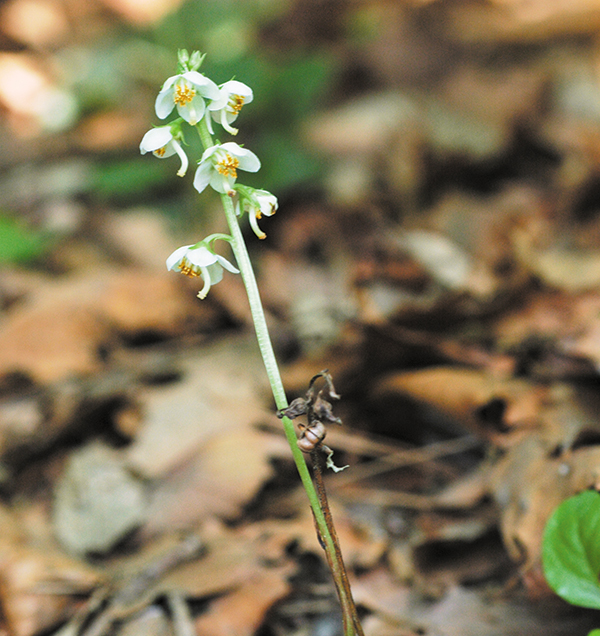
[162, 143]
[219, 165]
[258, 203]
[225, 110]
[200, 260]
[186, 91]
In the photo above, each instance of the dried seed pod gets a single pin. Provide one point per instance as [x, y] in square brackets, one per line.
[329, 388]
[323, 410]
[296, 407]
[312, 436]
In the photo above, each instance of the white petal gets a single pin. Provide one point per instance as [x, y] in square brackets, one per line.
[194, 111]
[169, 82]
[201, 256]
[228, 89]
[176, 257]
[203, 174]
[195, 77]
[218, 104]
[250, 163]
[216, 273]
[248, 160]
[209, 152]
[221, 183]
[164, 104]
[205, 86]
[227, 265]
[233, 87]
[268, 202]
[155, 139]
[232, 148]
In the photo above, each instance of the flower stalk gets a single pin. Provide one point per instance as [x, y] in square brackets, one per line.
[218, 168]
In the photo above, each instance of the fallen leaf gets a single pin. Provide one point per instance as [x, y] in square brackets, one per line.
[242, 611]
[50, 340]
[463, 393]
[224, 475]
[58, 330]
[220, 389]
[464, 611]
[39, 584]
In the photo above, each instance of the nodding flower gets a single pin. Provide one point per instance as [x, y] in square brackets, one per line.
[187, 92]
[257, 203]
[219, 165]
[164, 141]
[200, 260]
[225, 110]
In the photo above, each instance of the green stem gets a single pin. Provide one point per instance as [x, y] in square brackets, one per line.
[238, 246]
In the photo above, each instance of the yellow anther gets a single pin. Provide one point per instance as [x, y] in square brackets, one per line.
[228, 166]
[188, 269]
[160, 152]
[235, 104]
[184, 93]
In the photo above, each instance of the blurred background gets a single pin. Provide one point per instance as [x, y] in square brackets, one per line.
[436, 247]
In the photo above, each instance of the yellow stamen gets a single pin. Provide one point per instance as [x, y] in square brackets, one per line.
[185, 267]
[184, 93]
[228, 166]
[235, 104]
[160, 152]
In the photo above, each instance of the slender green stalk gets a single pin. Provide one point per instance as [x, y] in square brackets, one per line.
[322, 521]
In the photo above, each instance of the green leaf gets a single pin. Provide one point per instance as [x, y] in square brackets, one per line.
[594, 632]
[571, 550]
[19, 243]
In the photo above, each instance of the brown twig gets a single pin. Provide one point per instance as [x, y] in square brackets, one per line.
[340, 575]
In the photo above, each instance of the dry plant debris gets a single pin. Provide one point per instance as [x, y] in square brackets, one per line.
[446, 271]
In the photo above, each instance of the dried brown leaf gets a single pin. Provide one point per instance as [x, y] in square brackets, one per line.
[461, 392]
[225, 474]
[49, 341]
[36, 584]
[242, 611]
[58, 330]
[220, 390]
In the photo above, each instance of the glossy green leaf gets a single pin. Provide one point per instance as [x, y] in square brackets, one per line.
[594, 632]
[571, 550]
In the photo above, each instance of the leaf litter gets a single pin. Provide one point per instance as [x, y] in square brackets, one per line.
[448, 278]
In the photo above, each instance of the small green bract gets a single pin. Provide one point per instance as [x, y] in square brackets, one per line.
[571, 550]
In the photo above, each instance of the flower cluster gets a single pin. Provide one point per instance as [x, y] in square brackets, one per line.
[199, 102]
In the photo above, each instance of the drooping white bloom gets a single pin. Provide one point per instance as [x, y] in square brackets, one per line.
[187, 92]
[233, 95]
[257, 203]
[219, 165]
[200, 260]
[162, 143]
